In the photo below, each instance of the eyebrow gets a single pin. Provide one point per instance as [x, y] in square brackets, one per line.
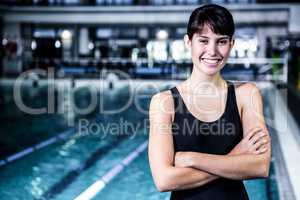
[220, 38]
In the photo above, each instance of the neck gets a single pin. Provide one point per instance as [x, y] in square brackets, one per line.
[201, 81]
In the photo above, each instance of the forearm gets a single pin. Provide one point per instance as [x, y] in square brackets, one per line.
[238, 167]
[180, 178]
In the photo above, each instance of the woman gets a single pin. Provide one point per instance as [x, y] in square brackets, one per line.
[208, 134]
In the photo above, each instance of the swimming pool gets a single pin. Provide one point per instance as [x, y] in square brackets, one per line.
[67, 167]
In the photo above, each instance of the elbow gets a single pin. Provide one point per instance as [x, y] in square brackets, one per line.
[162, 178]
[263, 164]
[162, 184]
[265, 171]
[165, 182]
[162, 188]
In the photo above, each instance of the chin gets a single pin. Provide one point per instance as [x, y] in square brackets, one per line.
[209, 70]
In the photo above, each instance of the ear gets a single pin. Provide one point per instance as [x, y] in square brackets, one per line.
[187, 41]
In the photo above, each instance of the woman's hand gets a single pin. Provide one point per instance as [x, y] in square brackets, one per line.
[254, 142]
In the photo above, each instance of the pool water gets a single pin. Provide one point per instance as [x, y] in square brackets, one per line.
[64, 169]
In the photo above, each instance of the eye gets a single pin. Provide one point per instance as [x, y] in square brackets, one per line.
[203, 41]
[223, 42]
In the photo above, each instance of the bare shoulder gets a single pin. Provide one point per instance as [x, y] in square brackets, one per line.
[162, 98]
[247, 93]
[245, 86]
[246, 89]
[162, 103]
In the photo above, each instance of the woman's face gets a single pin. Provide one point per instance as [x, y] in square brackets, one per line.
[209, 51]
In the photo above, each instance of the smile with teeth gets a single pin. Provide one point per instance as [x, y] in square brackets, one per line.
[211, 61]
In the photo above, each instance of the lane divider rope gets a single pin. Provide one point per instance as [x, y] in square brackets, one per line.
[62, 136]
[29, 150]
[100, 184]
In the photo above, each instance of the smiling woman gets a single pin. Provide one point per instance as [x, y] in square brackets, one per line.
[190, 154]
[217, 48]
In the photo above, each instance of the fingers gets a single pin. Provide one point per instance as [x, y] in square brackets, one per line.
[259, 140]
[256, 140]
[258, 137]
[262, 149]
[252, 132]
[261, 146]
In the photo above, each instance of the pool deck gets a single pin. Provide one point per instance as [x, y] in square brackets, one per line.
[288, 134]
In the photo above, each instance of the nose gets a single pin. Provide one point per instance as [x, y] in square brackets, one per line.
[211, 49]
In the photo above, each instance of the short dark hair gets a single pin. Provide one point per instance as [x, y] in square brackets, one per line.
[218, 18]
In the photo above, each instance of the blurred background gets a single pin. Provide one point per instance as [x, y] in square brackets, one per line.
[77, 77]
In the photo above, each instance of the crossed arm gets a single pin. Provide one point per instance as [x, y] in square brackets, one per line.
[184, 170]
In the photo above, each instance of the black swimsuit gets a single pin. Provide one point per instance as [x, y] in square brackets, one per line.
[217, 137]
